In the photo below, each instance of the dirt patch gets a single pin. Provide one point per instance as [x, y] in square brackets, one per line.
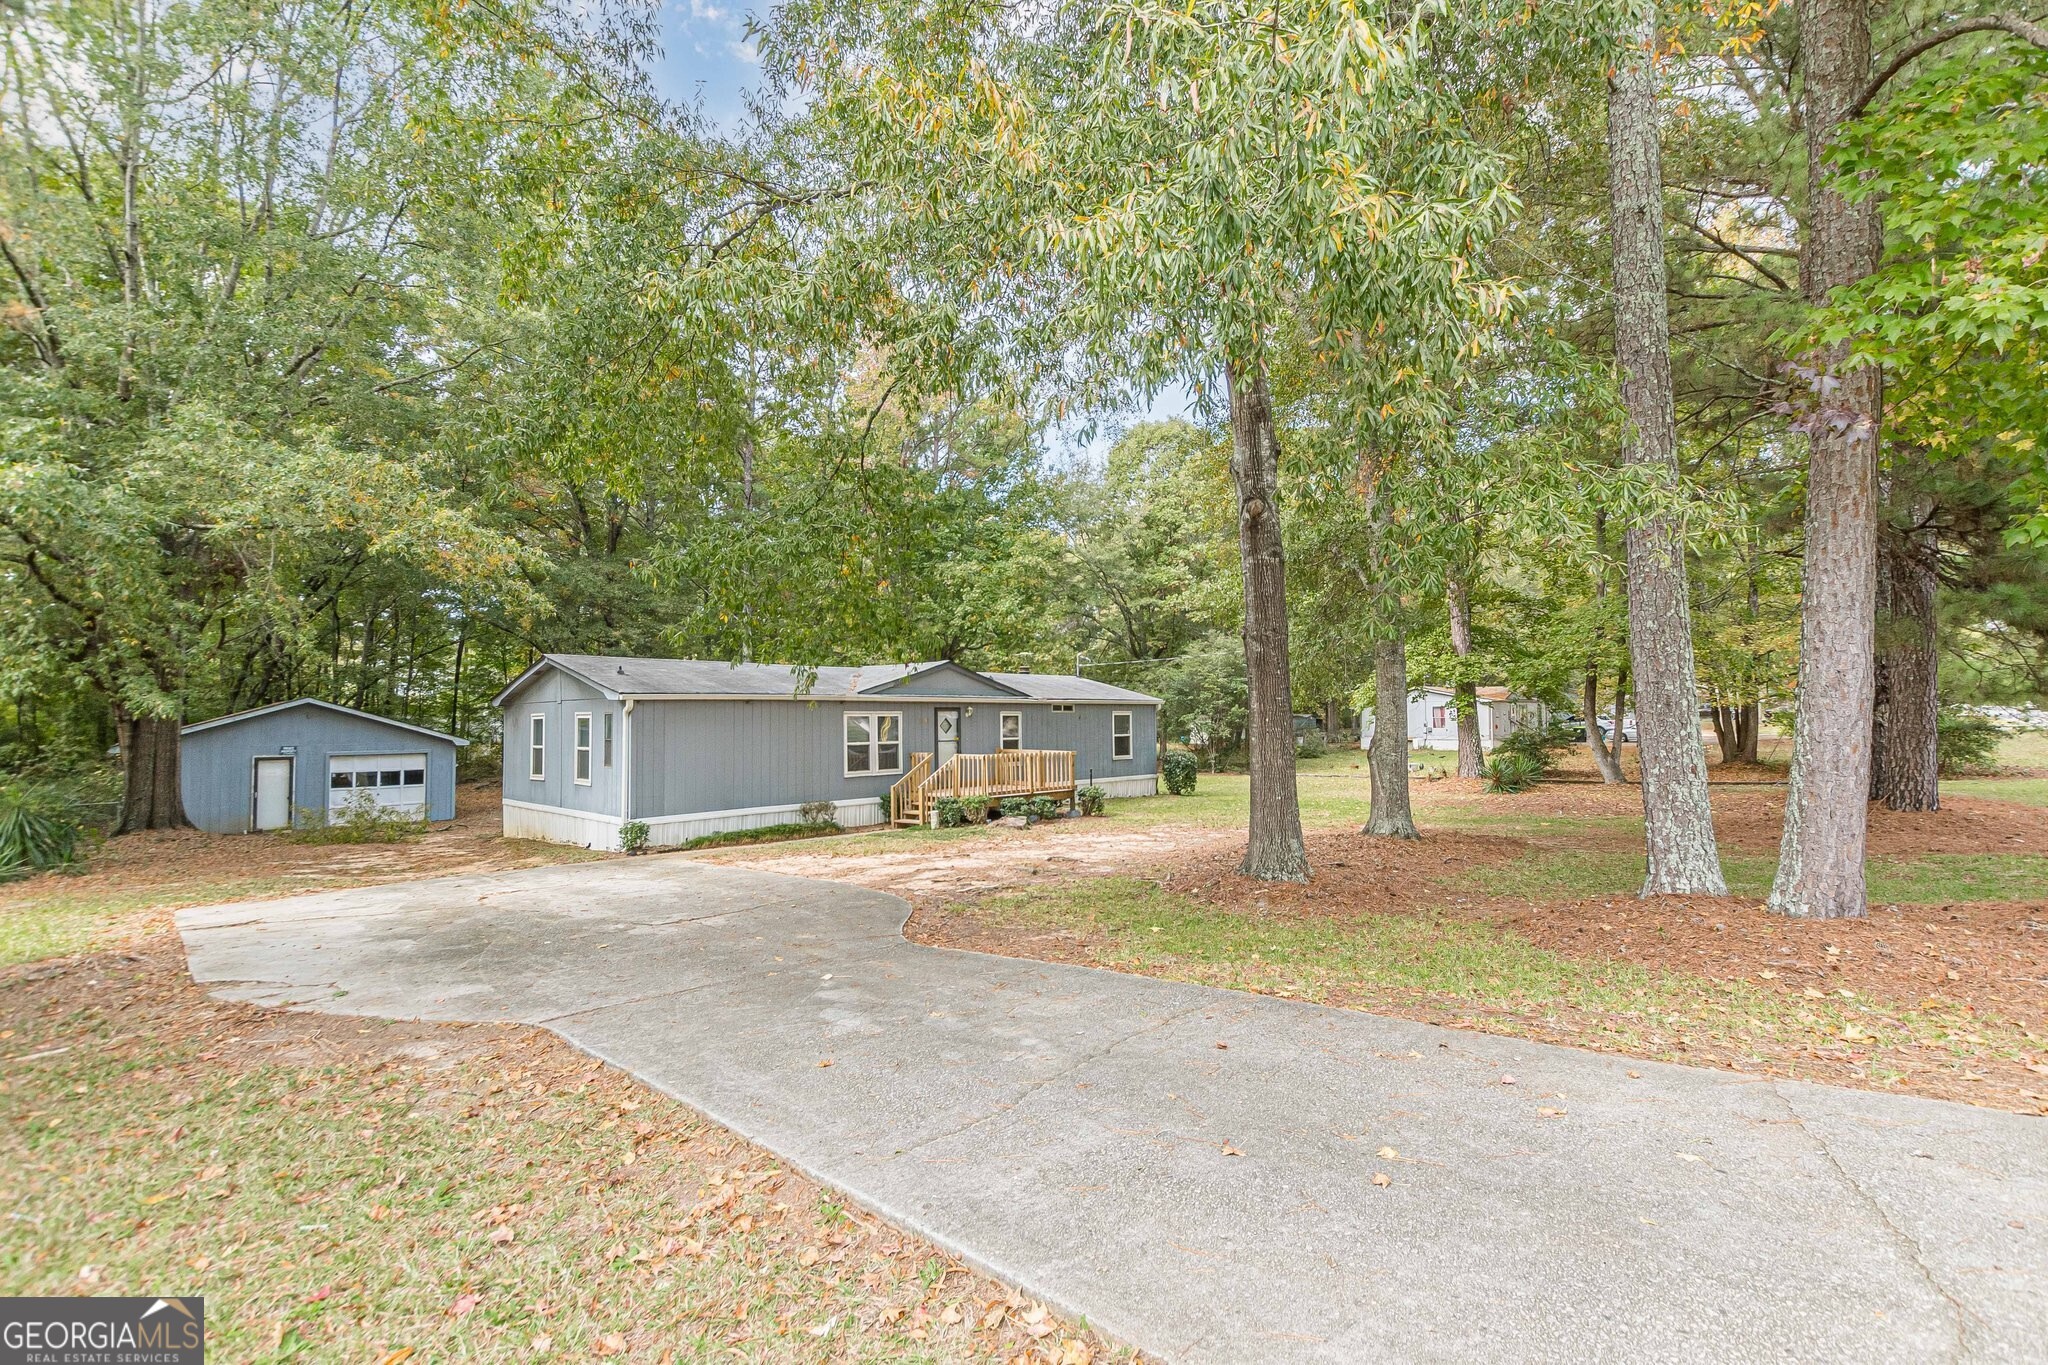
[187, 867]
[972, 865]
[570, 1204]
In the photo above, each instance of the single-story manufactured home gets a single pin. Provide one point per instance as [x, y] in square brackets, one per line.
[304, 761]
[692, 747]
[1433, 718]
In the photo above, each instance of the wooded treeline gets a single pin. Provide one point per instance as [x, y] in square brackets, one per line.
[1640, 357]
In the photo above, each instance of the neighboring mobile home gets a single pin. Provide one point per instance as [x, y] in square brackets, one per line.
[1433, 718]
[302, 761]
[693, 747]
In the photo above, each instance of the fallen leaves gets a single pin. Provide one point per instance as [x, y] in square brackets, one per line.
[1546, 1112]
[1382, 1179]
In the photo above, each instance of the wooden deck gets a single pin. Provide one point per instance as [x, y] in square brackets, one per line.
[1007, 772]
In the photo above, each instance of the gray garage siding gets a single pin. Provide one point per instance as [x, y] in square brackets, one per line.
[216, 766]
[559, 697]
[691, 756]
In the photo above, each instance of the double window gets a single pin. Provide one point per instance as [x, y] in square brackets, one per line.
[537, 746]
[1436, 717]
[874, 742]
[1119, 734]
[1063, 708]
[1011, 735]
[582, 748]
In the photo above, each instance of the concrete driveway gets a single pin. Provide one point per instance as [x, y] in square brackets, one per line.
[1192, 1169]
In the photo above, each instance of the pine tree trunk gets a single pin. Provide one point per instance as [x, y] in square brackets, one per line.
[1678, 823]
[1610, 768]
[1388, 760]
[1827, 811]
[1905, 751]
[1464, 694]
[150, 797]
[1274, 851]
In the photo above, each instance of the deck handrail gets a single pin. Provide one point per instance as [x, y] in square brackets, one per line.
[905, 801]
[1006, 772]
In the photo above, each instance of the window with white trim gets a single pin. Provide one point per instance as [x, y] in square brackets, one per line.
[582, 748]
[1064, 708]
[1119, 734]
[607, 739]
[874, 742]
[537, 746]
[1011, 733]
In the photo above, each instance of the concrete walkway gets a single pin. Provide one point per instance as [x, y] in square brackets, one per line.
[1192, 1169]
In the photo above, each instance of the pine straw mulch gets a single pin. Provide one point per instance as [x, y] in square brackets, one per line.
[1946, 970]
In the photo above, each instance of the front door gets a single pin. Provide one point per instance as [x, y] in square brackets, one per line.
[948, 732]
[273, 793]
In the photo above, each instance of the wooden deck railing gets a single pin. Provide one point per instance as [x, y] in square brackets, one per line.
[1007, 772]
[906, 801]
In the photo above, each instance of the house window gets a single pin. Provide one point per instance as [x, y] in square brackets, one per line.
[537, 746]
[1436, 718]
[1012, 735]
[582, 748]
[874, 742]
[1119, 734]
[607, 739]
[1063, 708]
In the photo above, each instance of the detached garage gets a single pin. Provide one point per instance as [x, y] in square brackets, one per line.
[306, 760]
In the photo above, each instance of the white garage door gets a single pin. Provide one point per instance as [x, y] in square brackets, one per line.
[396, 782]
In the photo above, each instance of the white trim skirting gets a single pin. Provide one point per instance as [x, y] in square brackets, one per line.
[587, 829]
[1144, 784]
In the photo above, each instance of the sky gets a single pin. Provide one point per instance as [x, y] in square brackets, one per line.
[707, 60]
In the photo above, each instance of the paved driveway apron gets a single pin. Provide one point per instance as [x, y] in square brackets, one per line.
[1191, 1169]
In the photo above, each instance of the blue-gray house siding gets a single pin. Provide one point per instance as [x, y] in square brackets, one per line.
[217, 760]
[732, 748]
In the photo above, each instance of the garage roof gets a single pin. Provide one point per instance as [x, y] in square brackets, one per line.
[235, 718]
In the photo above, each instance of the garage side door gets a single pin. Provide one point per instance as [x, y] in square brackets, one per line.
[394, 782]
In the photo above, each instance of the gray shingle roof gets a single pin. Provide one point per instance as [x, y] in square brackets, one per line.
[627, 677]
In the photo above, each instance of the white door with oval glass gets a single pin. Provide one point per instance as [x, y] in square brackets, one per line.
[388, 783]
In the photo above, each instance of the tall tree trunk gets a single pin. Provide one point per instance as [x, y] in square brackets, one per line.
[150, 798]
[1620, 713]
[1749, 723]
[1678, 823]
[1609, 766]
[1464, 693]
[1827, 811]
[455, 689]
[1903, 739]
[1724, 731]
[1274, 852]
[1388, 760]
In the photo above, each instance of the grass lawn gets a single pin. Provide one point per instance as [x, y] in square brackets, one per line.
[343, 1189]
[1931, 879]
[1456, 967]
